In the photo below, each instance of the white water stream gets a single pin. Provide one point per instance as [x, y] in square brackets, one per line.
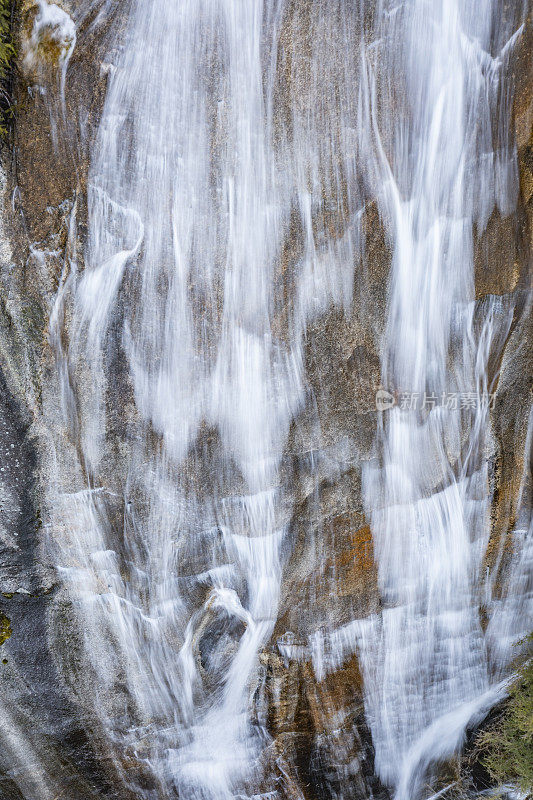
[192, 191]
[427, 495]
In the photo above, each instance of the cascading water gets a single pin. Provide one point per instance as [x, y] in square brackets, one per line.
[183, 347]
[427, 495]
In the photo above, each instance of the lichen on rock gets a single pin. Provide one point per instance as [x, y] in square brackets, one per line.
[5, 628]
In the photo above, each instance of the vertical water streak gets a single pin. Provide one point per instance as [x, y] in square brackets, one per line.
[438, 167]
[176, 583]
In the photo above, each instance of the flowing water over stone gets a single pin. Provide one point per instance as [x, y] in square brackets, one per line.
[246, 153]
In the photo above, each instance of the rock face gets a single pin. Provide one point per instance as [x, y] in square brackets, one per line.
[308, 689]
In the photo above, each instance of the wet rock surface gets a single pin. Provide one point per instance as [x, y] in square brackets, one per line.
[319, 740]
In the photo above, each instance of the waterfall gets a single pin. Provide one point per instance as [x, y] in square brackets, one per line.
[180, 342]
[426, 493]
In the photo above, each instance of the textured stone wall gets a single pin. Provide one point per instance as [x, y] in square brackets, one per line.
[329, 573]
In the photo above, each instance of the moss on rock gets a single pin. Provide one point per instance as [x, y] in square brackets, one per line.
[507, 746]
[5, 628]
[7, 60]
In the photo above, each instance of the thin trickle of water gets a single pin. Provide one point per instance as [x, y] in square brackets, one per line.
[51, 42]
[184, 368]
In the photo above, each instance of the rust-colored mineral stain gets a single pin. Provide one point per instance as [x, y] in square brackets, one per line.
[360, 554]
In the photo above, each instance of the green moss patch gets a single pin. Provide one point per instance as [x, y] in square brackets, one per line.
[5, 628]
[7, 60]
[507, 746]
